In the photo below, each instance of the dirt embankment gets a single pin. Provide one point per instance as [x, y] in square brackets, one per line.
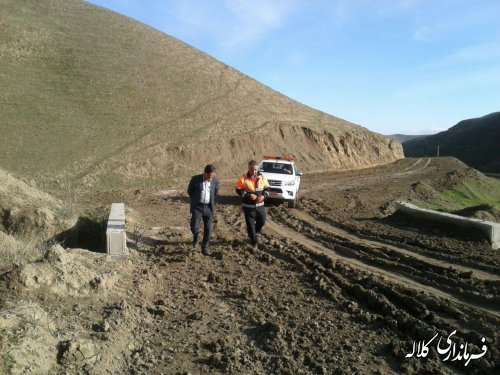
[25, 210]
[316, 150]
[341, 285]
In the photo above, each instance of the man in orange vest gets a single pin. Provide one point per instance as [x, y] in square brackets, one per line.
[253, 188]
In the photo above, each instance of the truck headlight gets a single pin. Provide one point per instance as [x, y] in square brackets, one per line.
[289, 183]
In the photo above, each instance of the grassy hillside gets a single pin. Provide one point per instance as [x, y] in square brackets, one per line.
[90, 95]
[463, 190]
[475, 142]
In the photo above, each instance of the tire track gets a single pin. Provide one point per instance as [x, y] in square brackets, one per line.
[354, 182]
[413, 165]
[409, 170]
[303, 216]
[286, 232]
[370, 294]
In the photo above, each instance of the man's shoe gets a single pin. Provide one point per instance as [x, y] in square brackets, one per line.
[204, 248]
[253, 243]
[194, 242]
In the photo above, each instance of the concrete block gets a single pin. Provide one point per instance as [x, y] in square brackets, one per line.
[116, 237]
[489, 229]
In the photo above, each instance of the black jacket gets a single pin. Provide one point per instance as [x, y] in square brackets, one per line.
[196, 187]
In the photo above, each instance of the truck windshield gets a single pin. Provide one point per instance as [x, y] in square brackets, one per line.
[276, 168]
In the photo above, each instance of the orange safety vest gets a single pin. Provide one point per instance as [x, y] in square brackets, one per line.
[252, 186]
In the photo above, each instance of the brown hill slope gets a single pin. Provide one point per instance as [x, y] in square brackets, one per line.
[90, 94]
[474, 141]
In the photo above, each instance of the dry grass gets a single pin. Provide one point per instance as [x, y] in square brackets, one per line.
[21, 250]
[25, 210]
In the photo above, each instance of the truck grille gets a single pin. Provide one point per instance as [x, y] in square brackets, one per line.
[275, 183]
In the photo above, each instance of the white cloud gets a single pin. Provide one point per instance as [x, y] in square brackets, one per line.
[422, 34]
[229, 24]
[261, 13]
[252, 21]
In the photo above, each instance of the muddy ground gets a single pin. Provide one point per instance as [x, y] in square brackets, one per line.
[340, 285]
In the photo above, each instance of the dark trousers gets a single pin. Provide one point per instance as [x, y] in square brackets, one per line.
[200, 211]
[255, 219]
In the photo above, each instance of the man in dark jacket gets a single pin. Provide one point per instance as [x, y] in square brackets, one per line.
[203, 190]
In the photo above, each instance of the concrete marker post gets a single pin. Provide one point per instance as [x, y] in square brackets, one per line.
[116, 237]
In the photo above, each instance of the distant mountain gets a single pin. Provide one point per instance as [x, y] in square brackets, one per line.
[92, 96]
[476, 142]
[406, 137]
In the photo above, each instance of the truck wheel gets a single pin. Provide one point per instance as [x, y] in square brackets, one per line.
[295, 202]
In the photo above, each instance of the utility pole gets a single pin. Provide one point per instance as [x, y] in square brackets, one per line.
[438, 151]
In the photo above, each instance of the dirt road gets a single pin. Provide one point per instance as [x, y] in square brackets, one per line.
[340, 285]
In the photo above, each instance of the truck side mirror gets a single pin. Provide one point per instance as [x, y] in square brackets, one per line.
[298, 174]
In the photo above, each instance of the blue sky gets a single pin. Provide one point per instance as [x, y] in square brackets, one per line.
[408, 66]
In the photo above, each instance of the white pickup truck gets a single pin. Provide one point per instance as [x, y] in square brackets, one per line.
[283, 177]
